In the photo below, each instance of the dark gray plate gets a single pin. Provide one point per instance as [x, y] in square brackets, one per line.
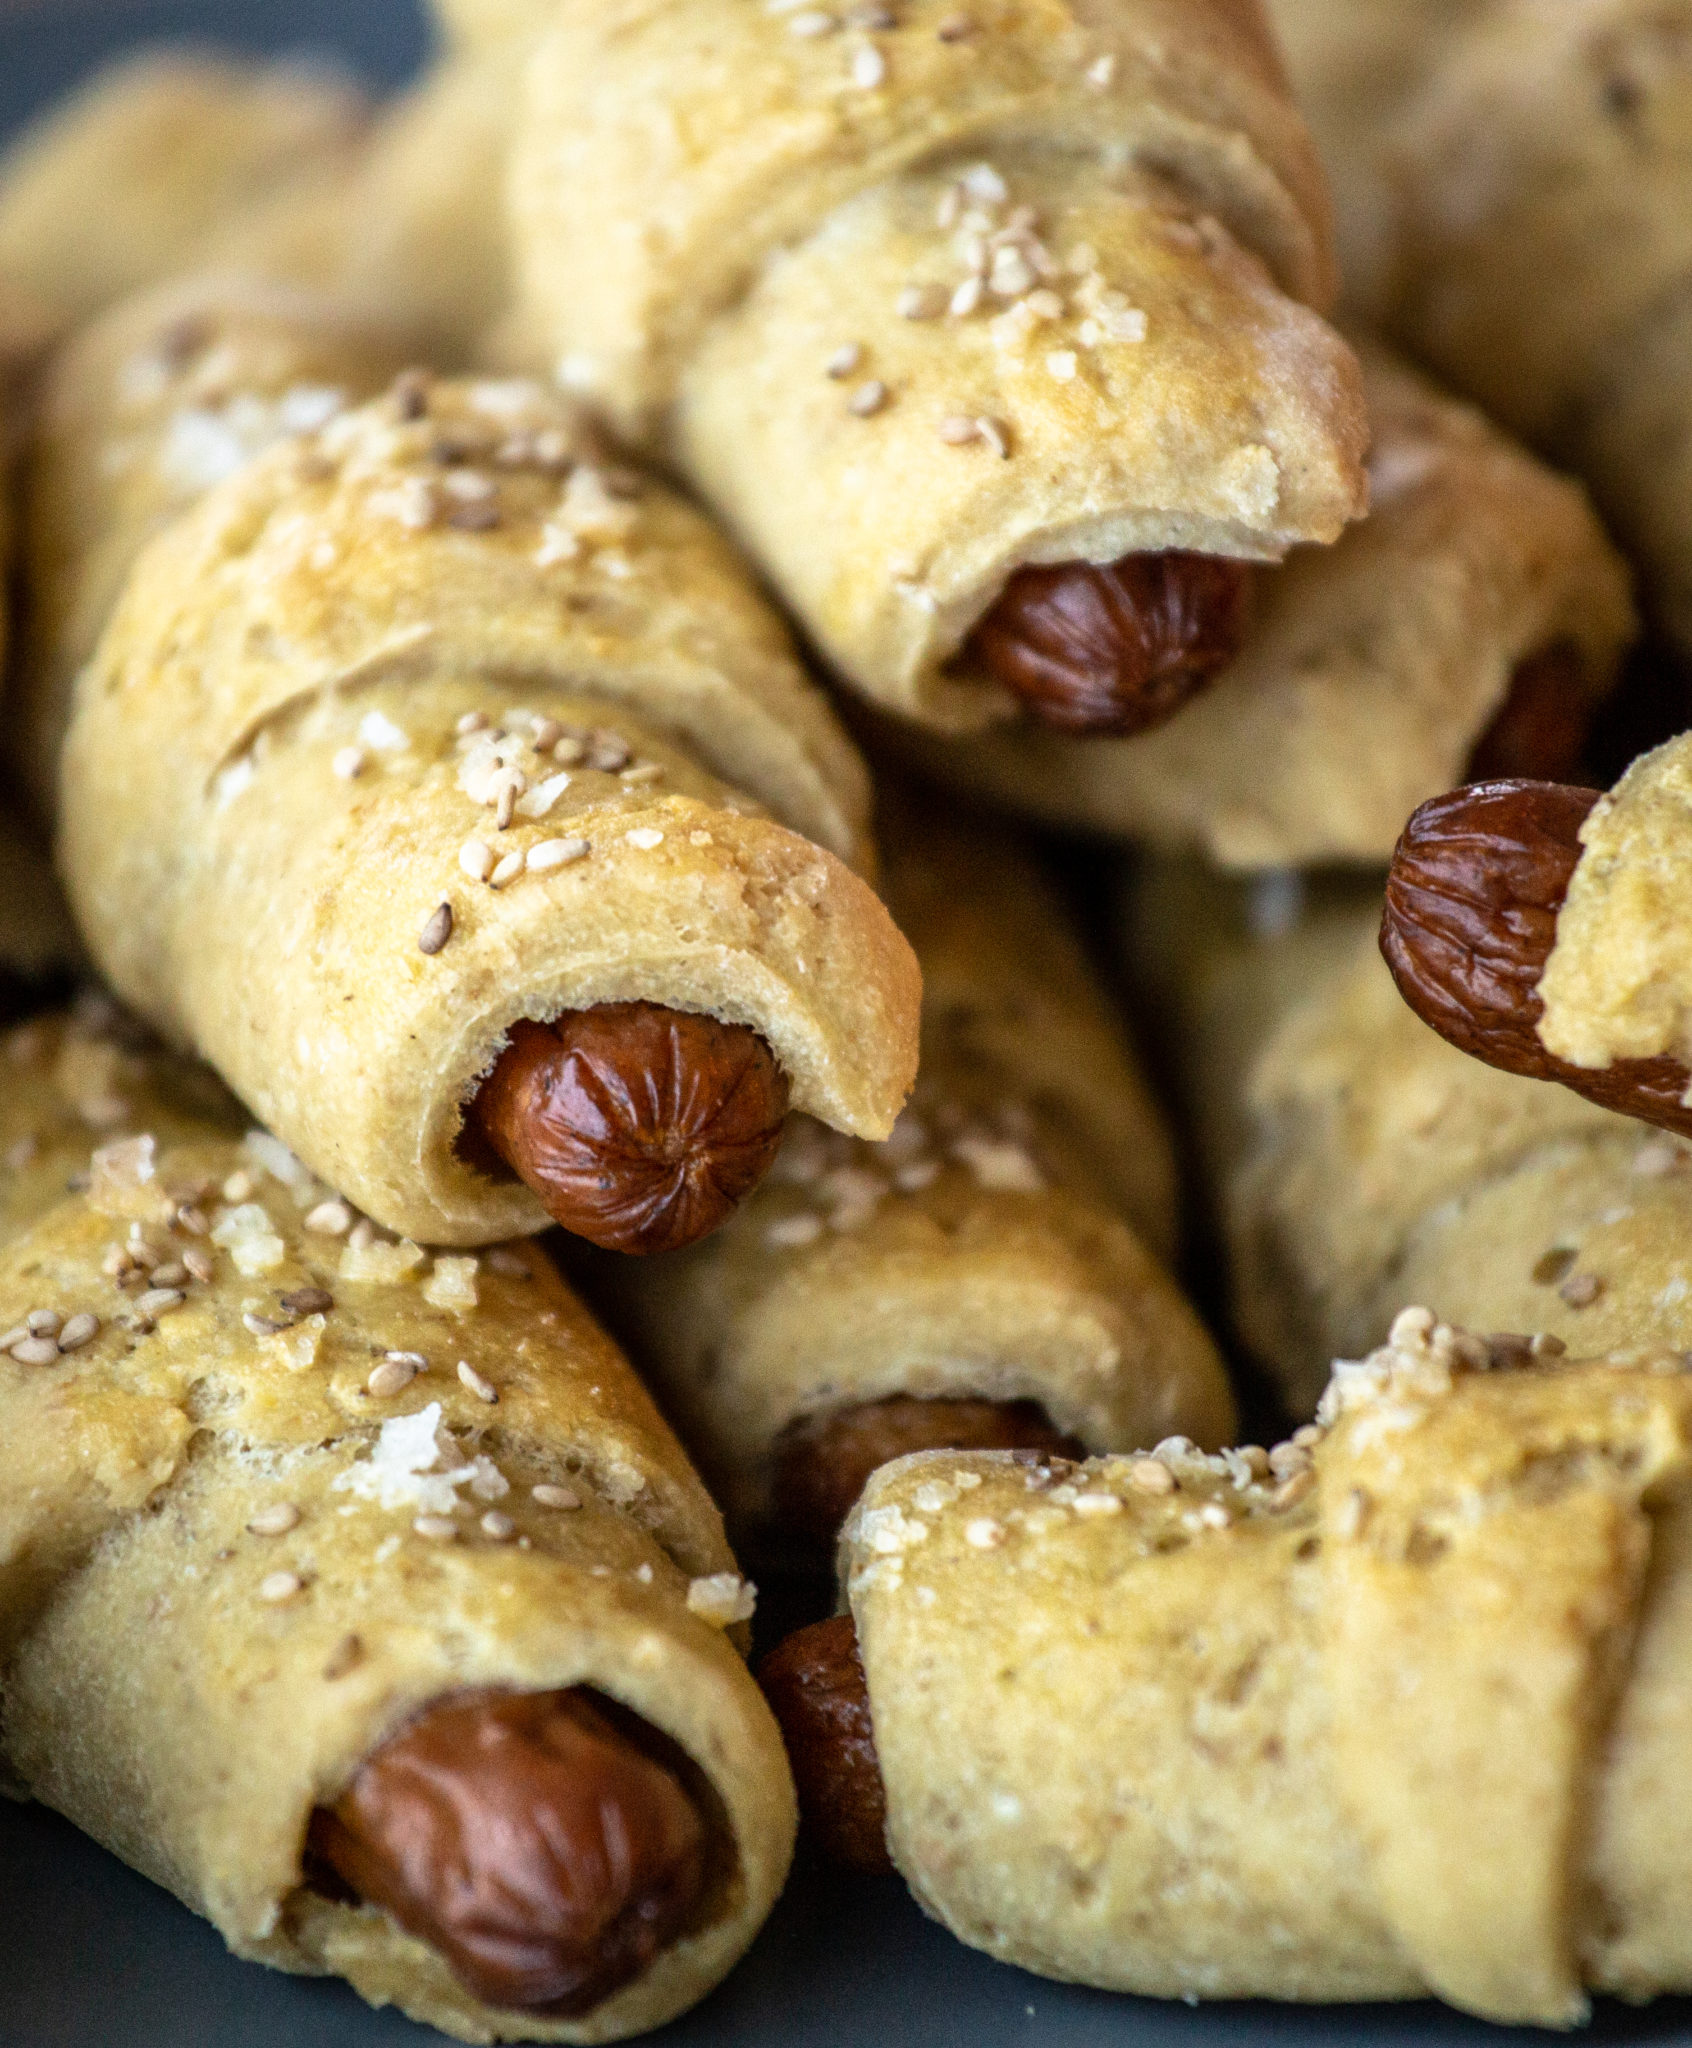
[92, 1956]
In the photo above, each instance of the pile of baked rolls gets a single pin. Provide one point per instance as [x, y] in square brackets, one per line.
[547, 1070]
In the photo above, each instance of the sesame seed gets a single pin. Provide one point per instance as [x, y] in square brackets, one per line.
[844, 360]
[484, 1390]
[347, 1654]
[437, 929]
[1547, 1346]
[43, 1322]
[476, 859]
[275, 1521]
[437, 1528]
[35, 1351]
[1097, 1504]
[642, 773]
[192, 1218]
[994, 434]
[175, 1274]
[329, 1219]
[555, 1496]
[159, 1301]
[472, 721]
[645, 837]
[1581, 1290]
[507, 870]
[262, 1326]
[362, 1235]
[922, 302]
[569, 750]
[1293, 1488]
[868, 399]
[279, 1587]
[308, 1301]
[348, 764]
[202, 1265]
[80, 1330]
[498, 1528]
[390, 1377]
[501, 1259]
[512, 785]
[966, 298]
[1151, 1475]
[957, 430]
[555, 853]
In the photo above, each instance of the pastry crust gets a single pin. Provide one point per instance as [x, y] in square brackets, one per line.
[122, 184]
[1371, 670]
[1618, 984]
[1005, 1245]
[1021, 246]
[330, 604]
[1357, 1158]
[129, 1567]
[1400, 1715]
[163, 396]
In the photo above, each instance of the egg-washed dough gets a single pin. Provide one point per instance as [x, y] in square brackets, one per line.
[1618, 984]
[1353, 64]
[122, 184]
[1006, 1244]
[711, 210]
[1371, 668]
[1545, 245]
[267, 793]
[1357, 1159]
[1404, 1712]
[164, 395]
[190, 1720]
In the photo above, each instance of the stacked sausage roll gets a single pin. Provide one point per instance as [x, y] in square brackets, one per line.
[359, 1598]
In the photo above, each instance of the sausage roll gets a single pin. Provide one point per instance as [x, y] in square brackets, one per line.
[1395, 1708]
[162, 396]
[1356, 1157]
[122, 185]
[433, 757]
[988, 331]
[1545, 241]
[359, 1598]
[1473, 624]
[990, 1276]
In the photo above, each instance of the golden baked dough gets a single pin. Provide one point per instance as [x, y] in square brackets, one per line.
[288, 754]
[1004, 1245]
[1371, 670]
[478, 25]
[122, 184]
[1618, 984]
[1398, 1708]
[1353, 64]
[1545, 241]
[1357, 1158]
[1055, 265]
[164, 395]
[141, 1458]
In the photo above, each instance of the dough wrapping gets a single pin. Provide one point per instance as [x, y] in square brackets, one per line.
[164, 395]
[303, 713]
[124, 183]
[1398, 1708]
[132, 1573]
[1371, 670]
[787, 314]
[1544, 244]
[1006, 1244]
[1357, 1159]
